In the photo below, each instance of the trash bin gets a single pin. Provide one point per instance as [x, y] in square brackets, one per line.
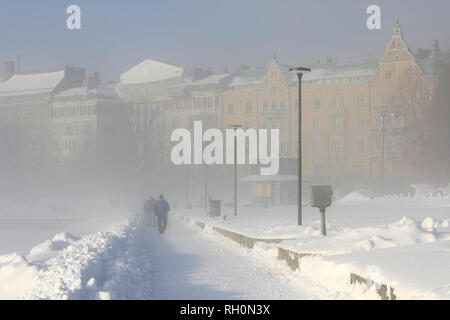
[214, 208]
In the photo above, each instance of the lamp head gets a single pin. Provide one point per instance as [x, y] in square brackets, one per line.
[299, 70]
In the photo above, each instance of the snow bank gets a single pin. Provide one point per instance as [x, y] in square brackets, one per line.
[405, 232]
[17, 275]
[50, 248]
[415, 272]
[353, 197]
[110, 264]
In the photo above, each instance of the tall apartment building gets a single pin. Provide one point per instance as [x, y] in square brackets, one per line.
[25, 116]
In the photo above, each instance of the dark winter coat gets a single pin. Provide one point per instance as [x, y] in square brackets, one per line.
[162, 208]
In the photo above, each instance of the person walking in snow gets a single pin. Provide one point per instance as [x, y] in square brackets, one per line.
[162, 210]
[149, 209]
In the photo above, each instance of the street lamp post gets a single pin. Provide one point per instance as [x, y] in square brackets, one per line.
[299, 71]
[383, 152]
[235, 127]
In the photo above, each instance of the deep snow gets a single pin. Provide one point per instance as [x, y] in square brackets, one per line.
[401, 242]
[132, 261]
[406, 240]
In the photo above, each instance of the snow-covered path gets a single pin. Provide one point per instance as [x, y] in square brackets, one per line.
[132, 261]
[192, 264]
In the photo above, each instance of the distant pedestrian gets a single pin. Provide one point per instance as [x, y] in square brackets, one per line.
[149, 210]
[162, 210]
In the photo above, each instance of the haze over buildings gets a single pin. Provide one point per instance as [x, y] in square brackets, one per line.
[116, 36]
[65, 122]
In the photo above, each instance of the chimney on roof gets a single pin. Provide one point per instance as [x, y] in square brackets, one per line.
[93, 80]
[7, 70]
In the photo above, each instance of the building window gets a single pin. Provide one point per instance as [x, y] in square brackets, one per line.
[396, 58]
[316, 124]
[333, 102]
[274, 106]
[388, 143]
[414, 97]
[336, 123]
[398, 143]
[361, 101]
[316, 103]
[398, 122]
[248, 107]
[265, 106]
[379, 122]
[282, 106]
[360, 122]
[335, 145]
[230, 109]
[341, 101]
[389, 75]
[361, 145]
[316, 146]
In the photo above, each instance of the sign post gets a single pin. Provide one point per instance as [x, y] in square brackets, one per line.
[321, 197]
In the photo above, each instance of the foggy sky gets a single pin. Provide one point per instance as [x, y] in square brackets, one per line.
[116, 34]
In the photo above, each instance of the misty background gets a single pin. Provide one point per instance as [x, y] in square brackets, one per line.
[116, 35]
[126, 130]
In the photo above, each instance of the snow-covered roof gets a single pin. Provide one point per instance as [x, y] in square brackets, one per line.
[321, 74]
[150, 71]
[83, 91]
[214, 79]
[249, 76]
[364, 66]
[31, 83]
